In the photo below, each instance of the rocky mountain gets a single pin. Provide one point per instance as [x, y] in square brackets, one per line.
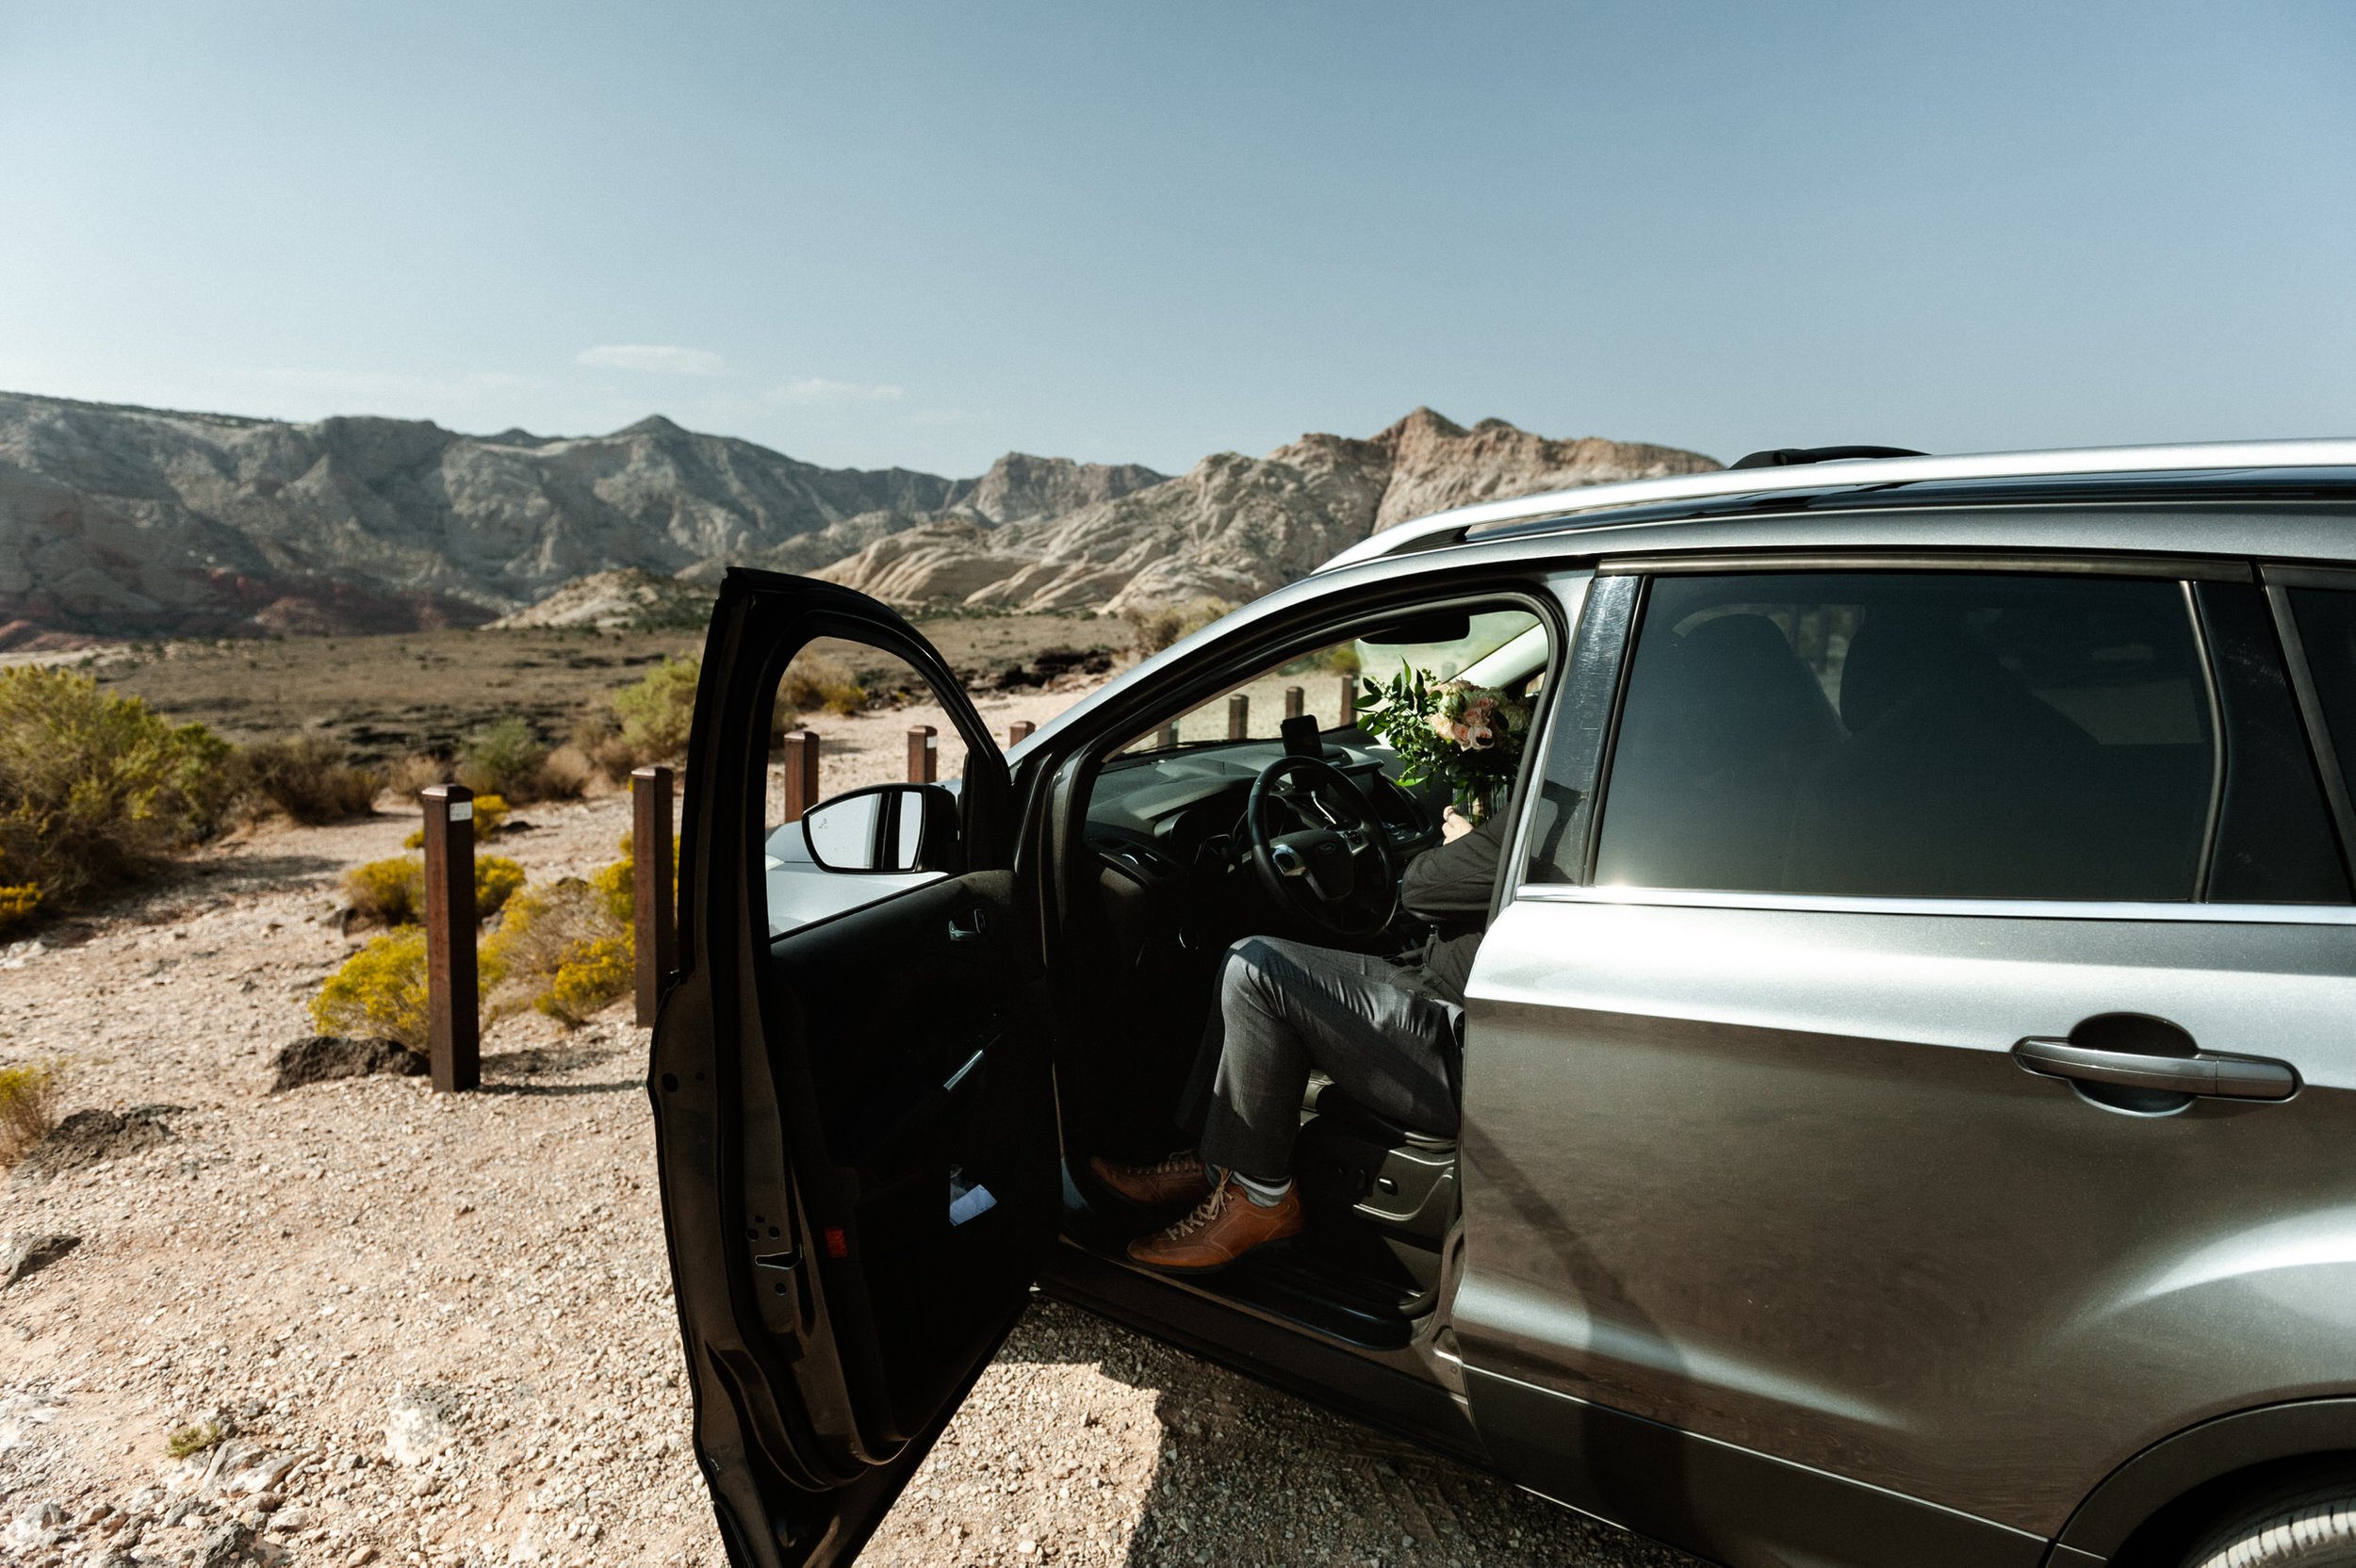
[1235, 527]
[119, 521]
[141, 522]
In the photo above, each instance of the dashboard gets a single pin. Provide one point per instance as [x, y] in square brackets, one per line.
[1167, 829]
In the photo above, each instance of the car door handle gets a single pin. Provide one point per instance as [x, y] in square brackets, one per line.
[2213, 1074]
[972, 926]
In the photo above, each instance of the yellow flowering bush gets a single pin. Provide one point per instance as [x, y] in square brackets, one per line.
[379, 991]
[590, 975]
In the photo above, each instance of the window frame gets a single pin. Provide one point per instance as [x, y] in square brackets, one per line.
[1611, 623]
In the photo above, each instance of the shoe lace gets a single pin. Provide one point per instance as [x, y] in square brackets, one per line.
[1183, 1160]
[1203, 1215]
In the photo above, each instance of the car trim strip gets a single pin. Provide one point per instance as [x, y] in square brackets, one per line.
[2189, 567]
[1984, 908]
[2341, 579]
[2207, 655]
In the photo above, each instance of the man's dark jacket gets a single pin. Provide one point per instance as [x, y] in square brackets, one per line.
[1450, 886]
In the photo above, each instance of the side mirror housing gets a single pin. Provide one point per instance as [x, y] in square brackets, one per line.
[885, 828]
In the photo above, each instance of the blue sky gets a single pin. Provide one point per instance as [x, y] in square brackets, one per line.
[928, 234]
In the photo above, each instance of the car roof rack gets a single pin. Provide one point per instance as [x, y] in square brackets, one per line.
[1786, 457]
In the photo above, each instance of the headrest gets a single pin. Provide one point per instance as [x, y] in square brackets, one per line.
[1898, 652]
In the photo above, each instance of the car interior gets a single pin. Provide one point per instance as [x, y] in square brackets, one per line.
[1172, 820]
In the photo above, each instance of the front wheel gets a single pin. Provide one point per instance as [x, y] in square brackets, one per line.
[2314, 1526]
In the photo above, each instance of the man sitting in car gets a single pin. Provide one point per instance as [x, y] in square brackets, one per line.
[1389, 1032]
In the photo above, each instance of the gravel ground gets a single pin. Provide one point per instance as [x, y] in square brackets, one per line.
[438, 1329]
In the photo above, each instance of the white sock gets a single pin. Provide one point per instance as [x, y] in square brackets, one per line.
[1263, 1193]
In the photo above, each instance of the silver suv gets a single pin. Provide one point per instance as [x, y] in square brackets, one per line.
[1909, 1103]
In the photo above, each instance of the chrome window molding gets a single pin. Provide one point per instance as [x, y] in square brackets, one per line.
[2194, 568]
[1982, 908]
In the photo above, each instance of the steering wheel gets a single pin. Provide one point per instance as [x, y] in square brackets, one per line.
[1318, 847]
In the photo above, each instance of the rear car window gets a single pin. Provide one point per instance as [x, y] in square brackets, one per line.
[2327, 631]
[1973, 735]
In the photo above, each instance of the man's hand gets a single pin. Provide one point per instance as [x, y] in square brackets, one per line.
[1452, 827]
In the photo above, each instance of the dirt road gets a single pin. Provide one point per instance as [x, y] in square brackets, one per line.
[437, 1329]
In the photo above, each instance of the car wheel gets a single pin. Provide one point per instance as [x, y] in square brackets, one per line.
[2313, 1525]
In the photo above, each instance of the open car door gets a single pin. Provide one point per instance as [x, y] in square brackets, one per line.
[856, 1127]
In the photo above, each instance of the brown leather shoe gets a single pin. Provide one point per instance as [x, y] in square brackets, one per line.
[1176, 1182]
[1223, 1228]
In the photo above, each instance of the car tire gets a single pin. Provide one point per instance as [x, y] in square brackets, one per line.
[2313, 1525]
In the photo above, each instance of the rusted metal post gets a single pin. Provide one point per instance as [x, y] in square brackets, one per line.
[1167, 735]
[801, 772]
[453, 1011]
[1296, 702]
[1239, 716]
[1019, 731]
[923, 753]
[653, 914]
[1348, 708]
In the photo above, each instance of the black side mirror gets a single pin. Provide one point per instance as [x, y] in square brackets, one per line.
[1435, 625]
[884, 827]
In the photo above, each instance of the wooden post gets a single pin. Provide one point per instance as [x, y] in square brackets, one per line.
[801, 772]
[1168, 735]
[453, 1011]
[1019, 731]
[1296, 702]
[923, 753]
[1239, 716]
[1350, 701]
[654, 915]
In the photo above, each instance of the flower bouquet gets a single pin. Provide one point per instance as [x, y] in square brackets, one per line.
[1466, 737]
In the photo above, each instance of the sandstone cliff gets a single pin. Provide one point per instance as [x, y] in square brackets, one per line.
[1236, 526]
[141, 522]
[122, 521]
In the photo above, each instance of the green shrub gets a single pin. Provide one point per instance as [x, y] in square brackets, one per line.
[95, 789]
[1151, 631]
[504, 757]
[311, 778]
[656, 711]
[817, 680]
[28, 1108]
[193, 1439]
[379, 991]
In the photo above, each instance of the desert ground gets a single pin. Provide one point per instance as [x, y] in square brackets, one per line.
[407, 1328]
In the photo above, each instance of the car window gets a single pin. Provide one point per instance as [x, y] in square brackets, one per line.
[2327, 631]
[1326, 682]
[848, 717]
[1912, 735]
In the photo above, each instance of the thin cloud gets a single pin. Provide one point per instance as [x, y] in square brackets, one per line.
[817, 392]
[659, 358]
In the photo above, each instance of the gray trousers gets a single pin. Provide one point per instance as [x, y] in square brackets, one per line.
[1285, 1008]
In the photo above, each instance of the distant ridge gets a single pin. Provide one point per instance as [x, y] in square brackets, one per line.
[119, 521]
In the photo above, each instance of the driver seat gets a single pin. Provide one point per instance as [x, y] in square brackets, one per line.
[1381, 1196]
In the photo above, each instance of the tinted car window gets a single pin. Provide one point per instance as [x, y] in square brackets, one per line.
[2275, 840]
[1912, 734]
[2326, 630]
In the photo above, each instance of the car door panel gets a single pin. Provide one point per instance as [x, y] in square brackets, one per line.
[1762, 1169]
[828, 1101]
[1823, 1214]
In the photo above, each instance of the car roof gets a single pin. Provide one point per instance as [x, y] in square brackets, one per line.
[2215, 472]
